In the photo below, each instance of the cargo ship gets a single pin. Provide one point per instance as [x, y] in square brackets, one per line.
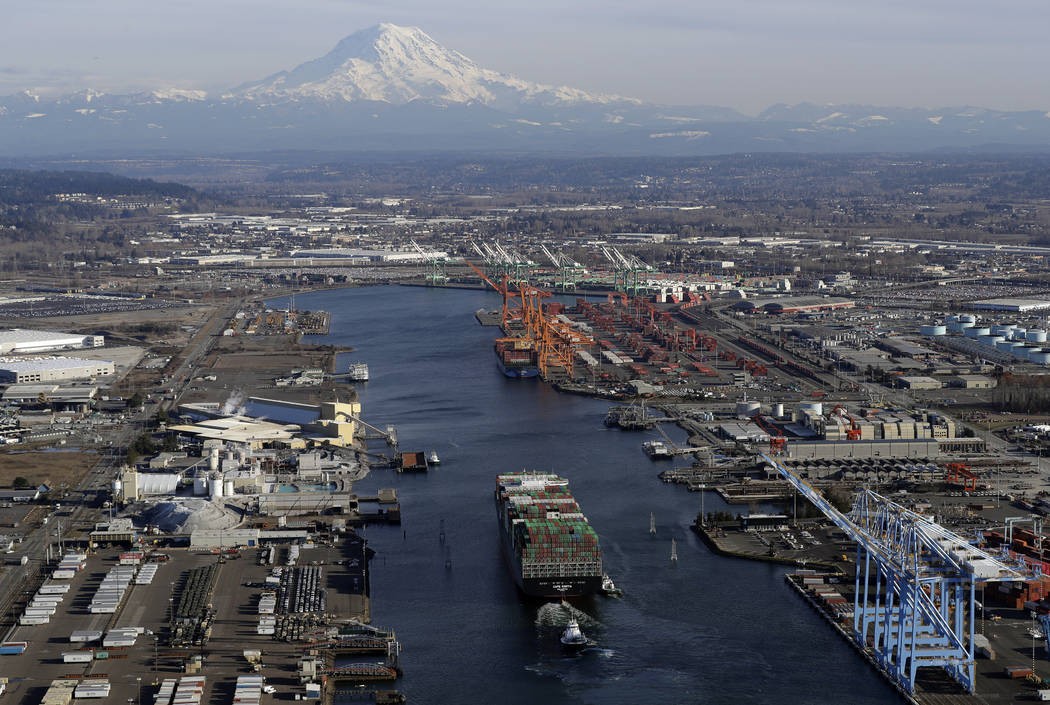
[551, 548]
[515, 359]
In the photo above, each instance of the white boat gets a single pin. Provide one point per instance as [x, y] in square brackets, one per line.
[433, 458]
[358, 372]
[573, 636]
[656, 449]
[609, 587]
[674, 551]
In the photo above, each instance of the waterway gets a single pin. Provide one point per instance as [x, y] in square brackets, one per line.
[706, 629]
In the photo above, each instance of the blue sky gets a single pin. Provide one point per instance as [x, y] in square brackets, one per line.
[746, 54]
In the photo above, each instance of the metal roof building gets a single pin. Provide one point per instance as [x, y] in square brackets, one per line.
[1011, 304]
[36, 370]
[20, 340]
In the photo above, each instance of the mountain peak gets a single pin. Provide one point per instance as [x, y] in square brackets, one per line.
[393, 64]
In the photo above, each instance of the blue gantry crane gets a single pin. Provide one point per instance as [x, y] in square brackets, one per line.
[914, 594]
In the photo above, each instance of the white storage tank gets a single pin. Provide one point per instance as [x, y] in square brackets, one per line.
[200, 485]
[1003, 329]
[953, 318]
[968, 318]
[933, 330]
[213, 460]
[991, 340]
[958, 327]
[1018, 333]
[227, 488]
[746, 409]
[215, 487]
[1035, 335]
[117, 487]
[813, 407]
[977, 332]
[1005, 345]
[778, 410]
[1041, 357]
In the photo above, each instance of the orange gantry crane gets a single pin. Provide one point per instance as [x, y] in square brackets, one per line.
[554, 339]
[853, 431]
[777, 441]
[961, 474]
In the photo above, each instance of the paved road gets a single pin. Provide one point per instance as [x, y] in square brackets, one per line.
[82, 504]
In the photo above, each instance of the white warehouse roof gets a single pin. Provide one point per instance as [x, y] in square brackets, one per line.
[21, 335]
[33, 364]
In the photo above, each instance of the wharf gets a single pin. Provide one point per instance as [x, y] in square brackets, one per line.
[749, 546]
[933, 686]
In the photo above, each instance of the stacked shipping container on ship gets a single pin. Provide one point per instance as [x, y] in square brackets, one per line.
[516, 357]
[551, 548]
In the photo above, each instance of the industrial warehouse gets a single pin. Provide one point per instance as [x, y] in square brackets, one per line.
[51, 369]
[17, 341]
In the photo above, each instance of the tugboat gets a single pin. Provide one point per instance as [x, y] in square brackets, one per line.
[609, 587]
[573, 637]
[433, 458]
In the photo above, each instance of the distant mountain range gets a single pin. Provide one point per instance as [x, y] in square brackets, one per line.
[395, 88]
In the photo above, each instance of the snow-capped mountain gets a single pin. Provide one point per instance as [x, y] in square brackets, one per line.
[395, 88]
[398, 65]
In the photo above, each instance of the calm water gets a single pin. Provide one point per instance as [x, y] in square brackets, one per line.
[704, 630]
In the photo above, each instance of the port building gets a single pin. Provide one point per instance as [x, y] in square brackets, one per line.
[37, 370]
[18, 341]
[793, 304]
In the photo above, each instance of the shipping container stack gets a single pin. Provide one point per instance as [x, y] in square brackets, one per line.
[1035, 551]
[124, 637]
[248, 690]
[60, 692]
[92, 688]
[44, 604]
[69, 566]
[146, 573]
[190, 691]
[550, 534]
[112, 590]
[167, 689]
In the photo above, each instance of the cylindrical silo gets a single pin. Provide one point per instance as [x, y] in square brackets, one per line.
[213, 460]
[1042, 357]
[1035, 335]
[227, 488]
[215, 486]
[200, 485]
[813, 407]
[778, 410]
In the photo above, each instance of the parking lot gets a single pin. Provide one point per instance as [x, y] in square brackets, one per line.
[329, 574]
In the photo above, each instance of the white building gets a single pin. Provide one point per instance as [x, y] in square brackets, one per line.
[20, 341]
[30, 370]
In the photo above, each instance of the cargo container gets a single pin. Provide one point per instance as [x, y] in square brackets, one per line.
[550, 547]
[76, 657]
